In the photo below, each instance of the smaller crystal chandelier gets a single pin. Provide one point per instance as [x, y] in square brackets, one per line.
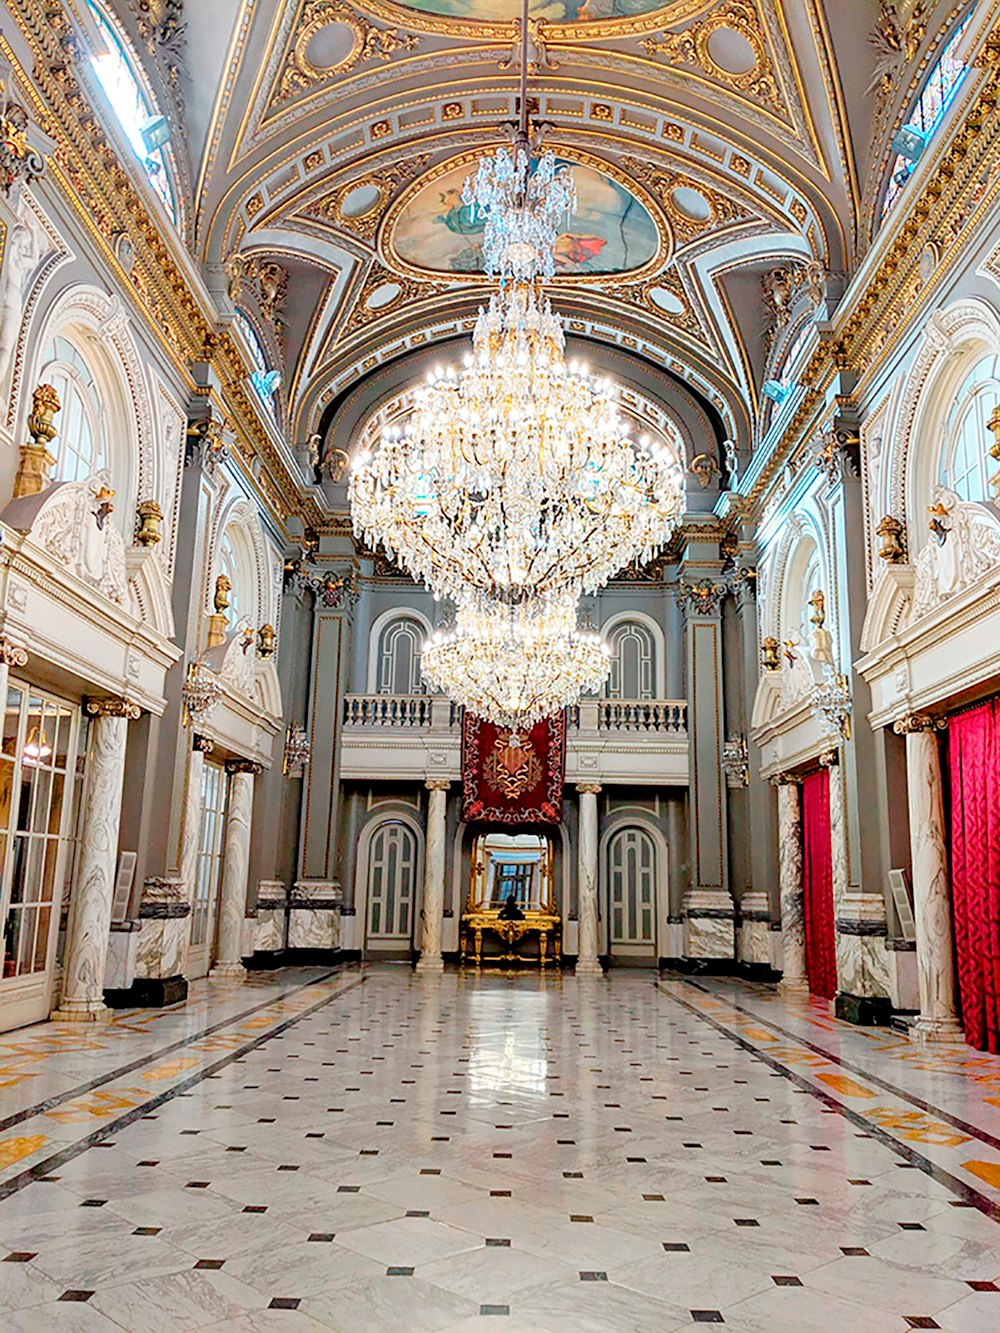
[201, 692]
[298, 751]
[517, 665]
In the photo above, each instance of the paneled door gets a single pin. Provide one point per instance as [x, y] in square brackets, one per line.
[37, 756]
[632, 895]
[205, 903]
[392, 887]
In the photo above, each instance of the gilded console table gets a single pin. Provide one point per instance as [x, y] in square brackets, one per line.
[542, 924]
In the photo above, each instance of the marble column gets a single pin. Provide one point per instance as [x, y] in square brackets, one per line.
[235, 870]
[191, 827]
[587, 964]
[938, 1019]
[793, 931]
[433, 908]
[82, 999]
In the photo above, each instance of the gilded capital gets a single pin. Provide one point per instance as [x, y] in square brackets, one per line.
[437, 784]
[829, 759]
[589, 788]
[250, 766]
[114, 708]
[12, 654]
[203, 744]
[785, 780]
[916, 722]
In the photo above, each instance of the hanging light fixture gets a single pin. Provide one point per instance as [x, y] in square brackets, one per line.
[518, 665]
[516, 479]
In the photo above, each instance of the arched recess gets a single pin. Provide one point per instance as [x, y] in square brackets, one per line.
[238, 548]
[371, 876]
[803, 545]
[629, 832]
[97, 326]
[403, 620]
[953, 340]
[632, 634]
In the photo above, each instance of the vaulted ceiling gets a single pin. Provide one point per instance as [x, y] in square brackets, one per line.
[713, 142]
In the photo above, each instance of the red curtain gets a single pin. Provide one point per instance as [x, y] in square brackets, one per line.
[821, 948]
[974, 770]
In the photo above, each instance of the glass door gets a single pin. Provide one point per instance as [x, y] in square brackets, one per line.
[204, 907]
[37, 754]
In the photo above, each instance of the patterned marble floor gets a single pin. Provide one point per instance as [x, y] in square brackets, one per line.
[368, 1150]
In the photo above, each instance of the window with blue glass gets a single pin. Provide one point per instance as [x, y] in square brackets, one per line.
[265, 380]
[145, 130]
[939, 91]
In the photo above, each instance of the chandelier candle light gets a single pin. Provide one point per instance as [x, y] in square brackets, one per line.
[518, 665]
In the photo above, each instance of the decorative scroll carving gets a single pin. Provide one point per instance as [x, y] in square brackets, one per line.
[916, 722]
[691, 47]
[661, 183]
[20, 164]
[701, 599]
[332, 589]
[967, 547]
[250, 766]
[735, 761]
[370, 43]
[70, 526]
[784, 287]
[387, 180]
[114, 708]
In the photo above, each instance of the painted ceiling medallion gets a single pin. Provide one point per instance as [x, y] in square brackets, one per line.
[432, 231]
[553, 11]
[562, 18]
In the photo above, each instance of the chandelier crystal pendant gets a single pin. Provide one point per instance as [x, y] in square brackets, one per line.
[515, 479]
[516, 665]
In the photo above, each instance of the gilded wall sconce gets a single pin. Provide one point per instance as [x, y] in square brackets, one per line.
[266, 641]
[893, 534]
[149, 517]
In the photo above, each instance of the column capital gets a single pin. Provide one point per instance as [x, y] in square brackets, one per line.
[12, 654]
[114, 708]
[437, 784]
[202, 744]
[829, 759]
[785, 780]
[915, 722]
[589, 788]
[250, 766]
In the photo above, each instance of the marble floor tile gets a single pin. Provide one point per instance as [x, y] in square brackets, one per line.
[380, 1151]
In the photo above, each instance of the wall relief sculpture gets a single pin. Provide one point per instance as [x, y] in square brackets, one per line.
[72, 525]
[964, 546]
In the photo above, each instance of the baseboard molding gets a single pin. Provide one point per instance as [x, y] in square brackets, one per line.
[267, 961]
[702, 967]
[149, 993]
[863, 1010]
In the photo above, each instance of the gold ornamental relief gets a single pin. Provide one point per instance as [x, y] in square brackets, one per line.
[369, 43]
[512, 769]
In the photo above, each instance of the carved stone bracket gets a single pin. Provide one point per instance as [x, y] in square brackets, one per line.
[12, 654]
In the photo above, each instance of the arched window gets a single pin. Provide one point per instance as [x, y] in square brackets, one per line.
[265, 380]
[938, 93]
[633, 662]
[400, 647]
[811, 584]
[962, 465]
[81, 445]
[132, 106]
[235, 571]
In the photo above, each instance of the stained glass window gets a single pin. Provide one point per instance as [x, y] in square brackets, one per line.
[130, 104]
[942, 84]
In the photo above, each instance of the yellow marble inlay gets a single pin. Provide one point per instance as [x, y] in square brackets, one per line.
[988, 1171]
[917, 1127]
[15, 1150]
[169, 1070]
[98, 1105]
[847, 1087]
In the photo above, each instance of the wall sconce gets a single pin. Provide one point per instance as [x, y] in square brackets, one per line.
[266, 640]
[149, 516]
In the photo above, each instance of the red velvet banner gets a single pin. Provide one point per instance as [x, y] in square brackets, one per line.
[974, 764]
[821, 938]
[513, 780]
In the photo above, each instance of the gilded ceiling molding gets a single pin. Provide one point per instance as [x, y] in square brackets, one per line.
[370, 43]
[661, 183]
[387, 181]
[670, 12]
[692, 47]
[362, 315]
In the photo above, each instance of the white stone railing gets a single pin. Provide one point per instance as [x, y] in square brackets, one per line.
[409, 712]
[418, 712]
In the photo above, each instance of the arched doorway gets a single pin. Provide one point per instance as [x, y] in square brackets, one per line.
[392, 880]
[631, 873]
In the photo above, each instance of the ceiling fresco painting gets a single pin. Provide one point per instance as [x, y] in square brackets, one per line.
[610, 233]
[553, 11]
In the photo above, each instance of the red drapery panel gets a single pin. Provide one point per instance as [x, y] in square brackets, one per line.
[974, 768]
[817, 867]
[509, 779]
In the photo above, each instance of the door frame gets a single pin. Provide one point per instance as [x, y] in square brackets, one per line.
[661, 879]
[199, 954]
[361, 876]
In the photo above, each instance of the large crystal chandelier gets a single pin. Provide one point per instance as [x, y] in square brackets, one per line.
[515, 479]
[518, 665]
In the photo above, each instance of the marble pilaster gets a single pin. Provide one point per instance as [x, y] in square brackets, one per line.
[164, 921]
[936, 980]
[82, 999]
[433, 906]
[235, 870]
[754, 934]
[587, 962]
[793, 928]
[314, 915]
[270, 925]
[191, 826]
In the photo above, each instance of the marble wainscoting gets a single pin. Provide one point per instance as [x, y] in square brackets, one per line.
[314, 921]
[709, 930]
[160, 948]
[753, 933]
[270, 923]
